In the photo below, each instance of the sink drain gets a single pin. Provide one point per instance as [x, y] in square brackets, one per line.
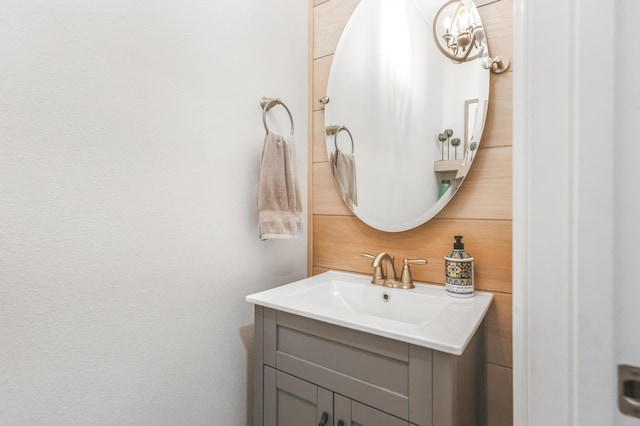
[386, 297]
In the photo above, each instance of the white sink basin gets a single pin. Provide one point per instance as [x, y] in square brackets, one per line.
[424, 316]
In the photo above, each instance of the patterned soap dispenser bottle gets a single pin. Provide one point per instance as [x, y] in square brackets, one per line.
[459, 271]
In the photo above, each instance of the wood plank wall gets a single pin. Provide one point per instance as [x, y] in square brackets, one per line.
[480, 211]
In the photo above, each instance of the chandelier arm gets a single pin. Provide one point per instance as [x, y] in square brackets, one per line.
[456, 59]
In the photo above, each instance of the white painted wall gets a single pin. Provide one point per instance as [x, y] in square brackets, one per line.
[130, 140]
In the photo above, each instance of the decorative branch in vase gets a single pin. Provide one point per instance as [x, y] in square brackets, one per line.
[444, 137]
[455, 142]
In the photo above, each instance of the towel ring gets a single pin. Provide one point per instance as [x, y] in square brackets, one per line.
[334, 130]
[267, 104]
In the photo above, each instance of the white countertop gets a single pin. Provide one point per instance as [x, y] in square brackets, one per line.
[424, 316]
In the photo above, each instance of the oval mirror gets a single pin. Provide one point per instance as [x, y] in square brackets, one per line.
[392, 94]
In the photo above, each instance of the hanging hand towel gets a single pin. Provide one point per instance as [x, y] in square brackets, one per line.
[279, 202]
[343, 167]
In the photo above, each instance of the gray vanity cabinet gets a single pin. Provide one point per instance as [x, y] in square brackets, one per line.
[304, 368]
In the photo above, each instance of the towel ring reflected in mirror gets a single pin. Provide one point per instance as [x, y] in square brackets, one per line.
[334, 130]
[267, 104]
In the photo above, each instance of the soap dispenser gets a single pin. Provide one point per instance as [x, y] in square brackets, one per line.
[459, 271]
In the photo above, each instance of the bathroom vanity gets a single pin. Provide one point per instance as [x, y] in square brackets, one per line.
[321, 358]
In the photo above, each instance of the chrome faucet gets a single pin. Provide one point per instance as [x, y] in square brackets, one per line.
[386, 276]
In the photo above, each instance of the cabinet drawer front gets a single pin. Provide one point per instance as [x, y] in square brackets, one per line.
[368, 342]
[361, 366]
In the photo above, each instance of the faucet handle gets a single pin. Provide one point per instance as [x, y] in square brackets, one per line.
[407, 279]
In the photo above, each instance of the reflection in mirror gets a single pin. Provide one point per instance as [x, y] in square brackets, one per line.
[460, 36]
[392, 95]
[343, 167]
[470, 111]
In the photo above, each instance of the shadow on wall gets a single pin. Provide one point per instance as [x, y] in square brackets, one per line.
[281, 269]
[246, 334]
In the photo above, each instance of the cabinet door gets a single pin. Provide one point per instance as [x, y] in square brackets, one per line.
[289, 401]
[352, 413]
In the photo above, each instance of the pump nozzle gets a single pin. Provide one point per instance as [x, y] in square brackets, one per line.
[458, 245]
